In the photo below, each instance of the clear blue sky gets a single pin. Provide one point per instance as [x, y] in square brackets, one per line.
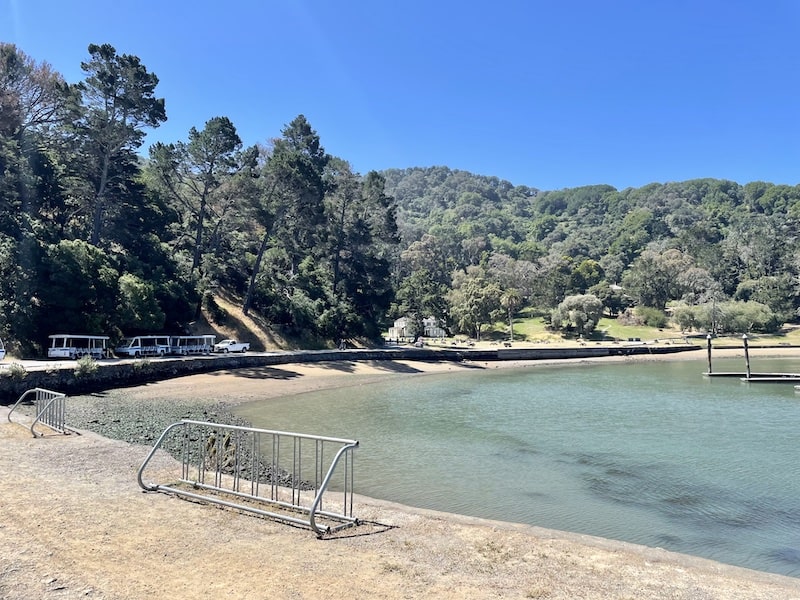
[541, 93]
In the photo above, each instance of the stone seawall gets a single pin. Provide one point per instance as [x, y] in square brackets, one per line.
[112, 374]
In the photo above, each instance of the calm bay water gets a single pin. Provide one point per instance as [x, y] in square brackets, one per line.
[650, 453]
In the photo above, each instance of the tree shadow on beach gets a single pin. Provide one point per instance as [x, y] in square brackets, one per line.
[340, 366]
[261, 373]
[347, 366]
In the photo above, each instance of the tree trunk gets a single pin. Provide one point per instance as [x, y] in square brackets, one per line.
[198, 239]
[248, 299]
[99, 204]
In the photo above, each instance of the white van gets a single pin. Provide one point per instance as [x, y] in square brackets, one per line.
[143, 345]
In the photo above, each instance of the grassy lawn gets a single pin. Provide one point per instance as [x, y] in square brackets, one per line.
[530, 327]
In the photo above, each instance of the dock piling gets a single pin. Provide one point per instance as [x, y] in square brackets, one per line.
[746, 356]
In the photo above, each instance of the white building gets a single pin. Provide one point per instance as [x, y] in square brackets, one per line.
[432, 328]
[399, 330]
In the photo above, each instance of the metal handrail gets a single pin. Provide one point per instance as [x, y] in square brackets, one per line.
[236, 457]
[51, 414]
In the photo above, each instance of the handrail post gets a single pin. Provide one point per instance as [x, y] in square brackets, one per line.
[324, 485]
[43, 411]
[156, 446]
[19, 400]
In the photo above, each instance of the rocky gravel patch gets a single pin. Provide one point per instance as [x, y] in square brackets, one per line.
[137, 418]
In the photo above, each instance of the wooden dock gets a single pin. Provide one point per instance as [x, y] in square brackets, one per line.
[748, 376]
[743, 375]
[777, 378]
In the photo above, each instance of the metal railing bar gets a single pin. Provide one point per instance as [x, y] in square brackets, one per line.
[306, 436]
[278, 503]
[19, 401]
[150, 455]
[50, 410]
[281, 503]
[349, 446]
[44, 415]
[251, 509]
[276, 453]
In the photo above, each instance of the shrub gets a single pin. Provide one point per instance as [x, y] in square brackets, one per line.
[215, 313]
[85, 366]
[15, 371]
[629, 318]
[652, 317]
[142, 366]
[685, 316]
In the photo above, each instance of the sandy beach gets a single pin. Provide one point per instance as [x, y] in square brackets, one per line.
[74, 523]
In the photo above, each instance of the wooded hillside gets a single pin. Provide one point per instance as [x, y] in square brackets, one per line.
[98, 237]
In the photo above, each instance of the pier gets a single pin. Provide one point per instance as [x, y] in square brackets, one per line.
[749, 376]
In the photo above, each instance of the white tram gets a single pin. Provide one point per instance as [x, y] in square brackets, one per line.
[184, 345]
[143, 345]
[70, 346]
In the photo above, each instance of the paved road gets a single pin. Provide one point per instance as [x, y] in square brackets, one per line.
[44, 364]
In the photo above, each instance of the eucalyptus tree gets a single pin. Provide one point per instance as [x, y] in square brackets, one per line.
[474, 301]
[513, 274]
[33, 90]
[765, 244]
[654, 278]
[290, 210]
[34, 105]
[119, 102]
[202, 180]
[362, 232]
[778, 292]
[553, 281]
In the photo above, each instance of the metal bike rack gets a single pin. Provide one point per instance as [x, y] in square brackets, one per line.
[247, 468]
[50, 409]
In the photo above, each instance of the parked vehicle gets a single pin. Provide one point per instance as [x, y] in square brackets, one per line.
[184, 345]
[2, 350]
[226, 346]
[67, 345]
[143, 345]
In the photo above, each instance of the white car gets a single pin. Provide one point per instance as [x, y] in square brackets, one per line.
[226, 346]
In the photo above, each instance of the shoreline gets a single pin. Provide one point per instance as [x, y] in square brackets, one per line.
[299, 378]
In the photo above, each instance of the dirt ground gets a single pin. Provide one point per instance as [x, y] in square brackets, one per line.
[75, 524]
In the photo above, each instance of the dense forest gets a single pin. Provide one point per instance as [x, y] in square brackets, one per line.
[99, 236]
